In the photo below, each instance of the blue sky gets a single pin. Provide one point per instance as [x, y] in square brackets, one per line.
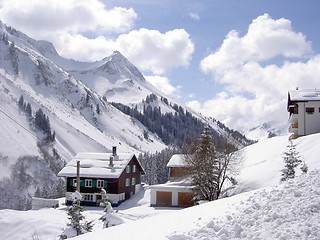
[233, 60]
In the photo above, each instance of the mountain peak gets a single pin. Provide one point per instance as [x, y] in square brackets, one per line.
[116, 52]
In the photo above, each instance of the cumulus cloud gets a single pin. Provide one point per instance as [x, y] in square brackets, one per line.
[162, 83]
[81, 29]
[73, 16]
[155, 51]
[256, 92]
[266, 38]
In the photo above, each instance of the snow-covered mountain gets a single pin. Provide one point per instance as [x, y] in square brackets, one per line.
[267, 130]
[75, 102]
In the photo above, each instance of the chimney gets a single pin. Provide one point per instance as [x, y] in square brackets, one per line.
[111, 161]
[78, 176]
[114, 151]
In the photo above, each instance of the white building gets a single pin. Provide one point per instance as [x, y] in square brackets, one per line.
[178, 192]
[304, 109]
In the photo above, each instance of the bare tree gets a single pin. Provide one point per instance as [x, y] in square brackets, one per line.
[209, 167]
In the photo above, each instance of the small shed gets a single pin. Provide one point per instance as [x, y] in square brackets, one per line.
[178, 192]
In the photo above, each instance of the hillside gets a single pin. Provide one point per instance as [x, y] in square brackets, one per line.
[265, 209]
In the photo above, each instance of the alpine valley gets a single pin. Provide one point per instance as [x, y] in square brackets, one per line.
[51, 108]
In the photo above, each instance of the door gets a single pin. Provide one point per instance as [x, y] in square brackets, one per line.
[185, 199]
[164, 199]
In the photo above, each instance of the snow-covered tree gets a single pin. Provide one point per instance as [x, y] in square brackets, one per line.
[77, 224]
[110, 218]
[292, 160]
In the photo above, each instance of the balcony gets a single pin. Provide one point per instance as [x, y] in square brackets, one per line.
[293, 109]
[293, 118]
[293, 128]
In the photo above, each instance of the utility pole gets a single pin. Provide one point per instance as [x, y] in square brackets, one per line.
[78, 176]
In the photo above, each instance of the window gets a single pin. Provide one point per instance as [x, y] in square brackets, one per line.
[310, 110]
[74, 182]
[127, 182]
[133, 181]
[134, 168]
[88, 197]
[100, 184]
[128, 169]
[88, 183]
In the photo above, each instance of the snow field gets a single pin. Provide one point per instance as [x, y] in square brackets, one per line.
[273, 210]
[288, 211]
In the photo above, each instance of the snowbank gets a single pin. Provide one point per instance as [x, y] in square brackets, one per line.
[288, 211]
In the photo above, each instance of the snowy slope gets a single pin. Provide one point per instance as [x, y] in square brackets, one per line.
[272, 210]
[64, 99]
[263, 161]
[288, 211]
[266, 130]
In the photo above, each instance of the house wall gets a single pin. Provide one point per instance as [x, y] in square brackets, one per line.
[115, 199]
[308, 123]
[131, 189]
[110, 185]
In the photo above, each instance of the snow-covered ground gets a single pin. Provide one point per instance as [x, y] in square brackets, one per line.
[271, 210]
[288, 211]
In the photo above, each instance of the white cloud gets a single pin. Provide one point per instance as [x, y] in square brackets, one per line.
[155, 51]
[255, 93]
[266, 38]
[194, 16]
[162, 83]
[81, 29]
[73, 16]
[195, 105]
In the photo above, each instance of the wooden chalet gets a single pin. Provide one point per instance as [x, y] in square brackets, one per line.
[119, 174]
[178, 192]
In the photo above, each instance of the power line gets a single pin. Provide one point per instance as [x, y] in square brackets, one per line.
[27, 130]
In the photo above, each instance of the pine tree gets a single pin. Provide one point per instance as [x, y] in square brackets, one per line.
[14, 57]
[208, 166]
[202, 159]
[29, 110]
[77, 220]
[291, 159]
[21, 103]
[98, 108]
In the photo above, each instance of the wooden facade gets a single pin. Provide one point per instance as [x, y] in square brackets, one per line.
[176, 172]
[123, 187]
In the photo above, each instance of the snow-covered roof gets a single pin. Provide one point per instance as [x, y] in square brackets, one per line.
[182, 183]
[305, 95]
[97, 165]
[177, 160]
